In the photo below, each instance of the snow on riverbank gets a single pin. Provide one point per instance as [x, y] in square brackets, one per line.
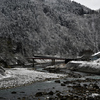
[85, 66]
[21, 76]
[47, 61]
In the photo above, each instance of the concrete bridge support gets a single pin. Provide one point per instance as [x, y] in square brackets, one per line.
[53, 61]
[33, 62]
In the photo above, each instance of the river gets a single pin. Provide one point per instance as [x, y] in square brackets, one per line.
[76, 85]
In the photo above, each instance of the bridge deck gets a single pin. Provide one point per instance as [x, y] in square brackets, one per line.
[51, 58]
[47, 58]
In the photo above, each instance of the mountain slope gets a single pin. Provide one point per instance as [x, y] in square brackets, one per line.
[51, 27]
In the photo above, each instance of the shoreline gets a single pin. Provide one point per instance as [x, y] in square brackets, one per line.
[24, 76]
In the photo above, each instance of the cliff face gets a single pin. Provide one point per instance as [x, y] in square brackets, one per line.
[51, 27]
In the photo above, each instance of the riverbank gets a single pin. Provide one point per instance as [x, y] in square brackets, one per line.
[85, 66]
[74, 86]
[50, 83]
[22, 76]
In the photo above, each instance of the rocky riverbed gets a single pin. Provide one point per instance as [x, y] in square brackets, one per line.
[73, 86]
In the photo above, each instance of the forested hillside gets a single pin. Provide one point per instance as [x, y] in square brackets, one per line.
[50, 27]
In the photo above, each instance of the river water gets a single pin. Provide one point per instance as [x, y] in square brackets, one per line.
[51, 88]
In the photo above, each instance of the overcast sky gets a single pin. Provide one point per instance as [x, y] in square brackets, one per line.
[93, 4]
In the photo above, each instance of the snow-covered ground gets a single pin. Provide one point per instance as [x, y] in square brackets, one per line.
[47, 61]
[57, 66]
[21, 76]
[85, 66]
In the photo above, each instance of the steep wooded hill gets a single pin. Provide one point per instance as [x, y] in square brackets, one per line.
[50, 27]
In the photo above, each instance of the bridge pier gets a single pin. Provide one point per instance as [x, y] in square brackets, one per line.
[53, 61]
[66, 61]
[33, 63]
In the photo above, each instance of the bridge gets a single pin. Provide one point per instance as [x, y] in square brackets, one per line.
[50, 58]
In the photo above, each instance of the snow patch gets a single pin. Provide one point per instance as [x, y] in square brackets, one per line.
[85, 66]
[95, 94]
[98, 53]
[7, 75]
[57, 66]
